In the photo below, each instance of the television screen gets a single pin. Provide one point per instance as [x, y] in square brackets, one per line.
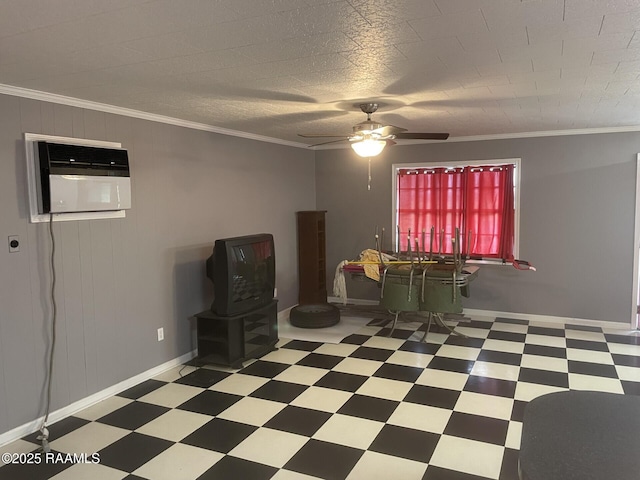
[251, 266]
[242, 270]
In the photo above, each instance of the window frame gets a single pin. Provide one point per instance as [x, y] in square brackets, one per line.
[457, 164]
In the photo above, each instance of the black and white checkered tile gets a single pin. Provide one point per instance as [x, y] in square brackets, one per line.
[370, 407]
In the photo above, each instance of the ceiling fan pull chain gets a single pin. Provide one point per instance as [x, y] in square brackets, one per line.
[369, 182]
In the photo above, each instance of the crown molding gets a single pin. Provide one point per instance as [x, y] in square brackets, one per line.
[547, 133]
[128, 112]
[507, 136]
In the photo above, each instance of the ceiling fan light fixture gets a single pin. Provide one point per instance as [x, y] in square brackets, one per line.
[368, 147]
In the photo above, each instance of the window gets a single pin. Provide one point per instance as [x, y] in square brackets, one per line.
[481, 199]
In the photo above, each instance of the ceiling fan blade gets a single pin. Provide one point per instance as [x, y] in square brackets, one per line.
[319, 135]
[422, 136]
[389, 130]
[327, 143]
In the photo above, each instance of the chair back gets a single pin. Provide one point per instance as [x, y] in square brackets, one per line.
[440, 292]
[400, 295]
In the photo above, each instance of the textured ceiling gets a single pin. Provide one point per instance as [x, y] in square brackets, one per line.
[281, 67]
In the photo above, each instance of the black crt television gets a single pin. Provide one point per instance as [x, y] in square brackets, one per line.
[243, 272]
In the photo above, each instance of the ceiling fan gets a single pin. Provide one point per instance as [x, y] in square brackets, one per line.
[370, 137]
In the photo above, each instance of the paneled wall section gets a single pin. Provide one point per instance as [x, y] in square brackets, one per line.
[120, 280]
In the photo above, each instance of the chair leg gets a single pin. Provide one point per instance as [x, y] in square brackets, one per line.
[395, 321]
[440, 321]
[424, 337]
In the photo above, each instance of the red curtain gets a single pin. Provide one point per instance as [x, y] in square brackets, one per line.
[474, 199]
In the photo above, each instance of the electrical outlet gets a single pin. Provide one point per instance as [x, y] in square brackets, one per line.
[14, 244]
[160, 334]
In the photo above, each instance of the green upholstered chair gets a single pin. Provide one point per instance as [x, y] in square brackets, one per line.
[433, 290]
[400, 292]
[441, 293]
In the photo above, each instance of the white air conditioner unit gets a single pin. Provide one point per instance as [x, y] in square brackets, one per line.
[75, 179]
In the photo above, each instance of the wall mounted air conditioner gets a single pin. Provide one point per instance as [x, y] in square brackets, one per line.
[74, 179]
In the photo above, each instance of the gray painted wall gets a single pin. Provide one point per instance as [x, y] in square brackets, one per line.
[119, 280]
[576, 224]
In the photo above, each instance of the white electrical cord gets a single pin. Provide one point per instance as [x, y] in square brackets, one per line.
[44, 432]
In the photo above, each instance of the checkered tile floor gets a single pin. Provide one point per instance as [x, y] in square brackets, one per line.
[369, 407]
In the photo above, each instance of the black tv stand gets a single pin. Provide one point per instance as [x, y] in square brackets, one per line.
[231, 340]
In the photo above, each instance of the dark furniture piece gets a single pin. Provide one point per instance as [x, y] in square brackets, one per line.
[312, 310]
[581, 435]
[312, 268]
[230, 340]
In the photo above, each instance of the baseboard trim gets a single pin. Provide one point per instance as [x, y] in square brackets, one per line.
[64, 412]
[283, 315]
[532, 317]
[354, 301]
